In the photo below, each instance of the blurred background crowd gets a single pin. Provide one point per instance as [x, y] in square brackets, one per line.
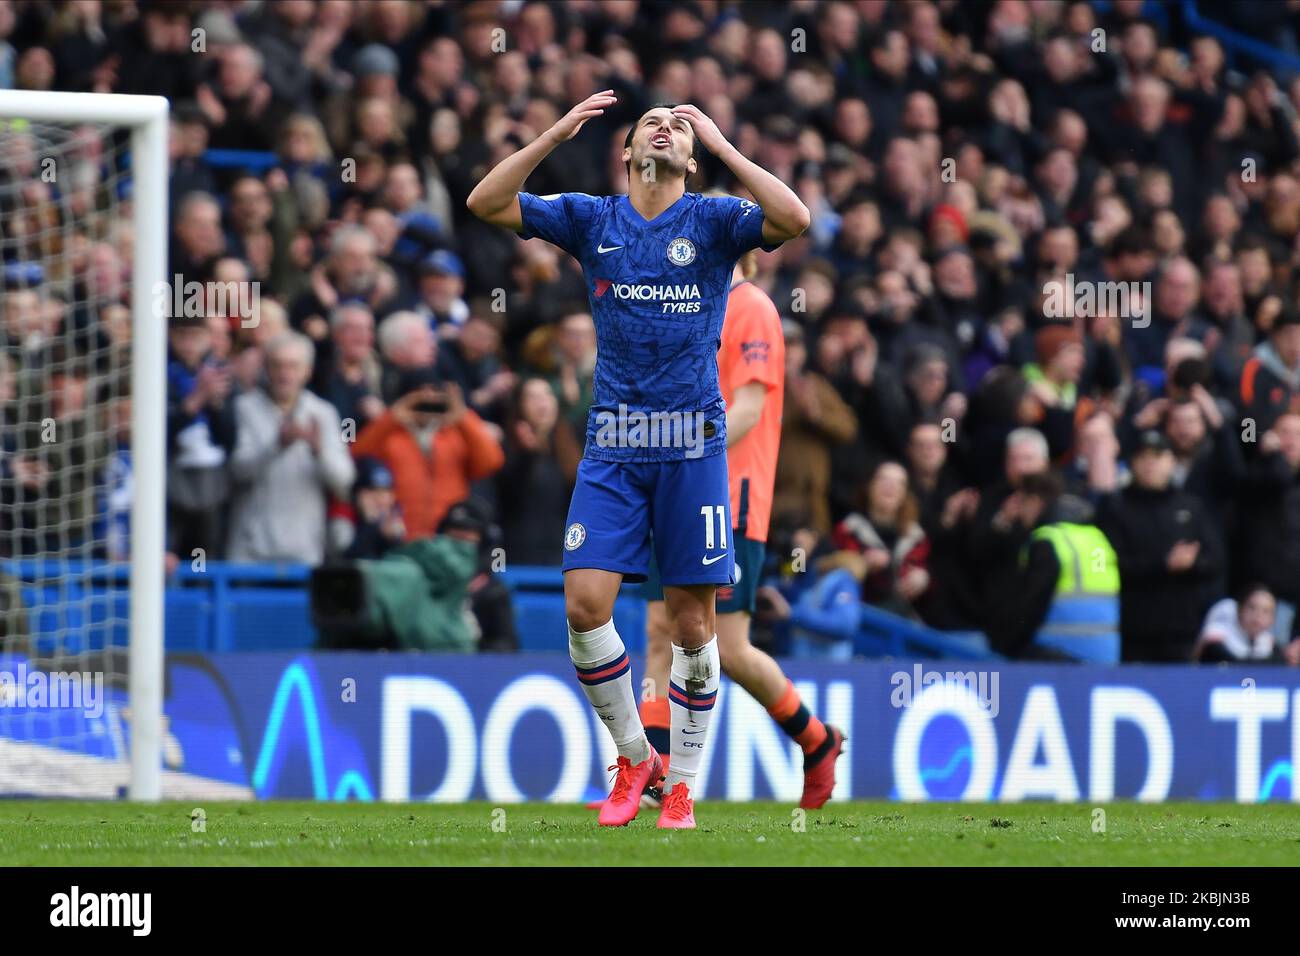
[405, 362]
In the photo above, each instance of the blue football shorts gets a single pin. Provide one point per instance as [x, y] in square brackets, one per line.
[617, 506]
[741, 596]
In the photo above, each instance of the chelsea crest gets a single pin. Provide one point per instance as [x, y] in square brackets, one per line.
[681, 251]
[574, 536]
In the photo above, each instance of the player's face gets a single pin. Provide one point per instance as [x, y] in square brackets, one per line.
[664, 140]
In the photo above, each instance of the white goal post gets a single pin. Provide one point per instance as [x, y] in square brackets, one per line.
[146, 118]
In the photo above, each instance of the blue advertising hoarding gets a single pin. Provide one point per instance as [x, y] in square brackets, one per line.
[510, 728]
[422, 727]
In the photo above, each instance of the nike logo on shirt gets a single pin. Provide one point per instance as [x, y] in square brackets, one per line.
[601, 248]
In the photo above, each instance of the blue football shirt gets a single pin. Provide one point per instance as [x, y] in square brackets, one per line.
[658, 292]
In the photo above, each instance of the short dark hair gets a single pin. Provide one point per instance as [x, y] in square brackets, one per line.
[1047, 485]
[1250, 589]
[696, 153]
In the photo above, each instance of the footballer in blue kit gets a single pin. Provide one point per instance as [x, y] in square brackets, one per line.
[658, 265]
[658, 293]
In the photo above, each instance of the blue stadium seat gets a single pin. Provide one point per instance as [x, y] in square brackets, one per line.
[269, 619]
[187, 616]
[541, 624]
[539, 621]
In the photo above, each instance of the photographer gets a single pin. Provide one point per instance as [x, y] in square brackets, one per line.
[433, 445]
[433, 594]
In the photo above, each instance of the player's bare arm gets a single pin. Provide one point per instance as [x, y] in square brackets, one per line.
[784, 214]
[496, 198]
[744, 411]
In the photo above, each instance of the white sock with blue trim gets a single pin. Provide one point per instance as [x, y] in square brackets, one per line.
[605, 674]
[692, 692]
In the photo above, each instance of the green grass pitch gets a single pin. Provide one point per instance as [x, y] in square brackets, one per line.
[755, 834]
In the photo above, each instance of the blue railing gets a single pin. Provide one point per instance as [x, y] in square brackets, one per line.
[75, 606]
[1239, 43]
[1235, 44]
[253, 160]
[882, 634]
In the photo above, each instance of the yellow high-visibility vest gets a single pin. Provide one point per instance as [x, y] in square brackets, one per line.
[1088, 563]
[1083, 620]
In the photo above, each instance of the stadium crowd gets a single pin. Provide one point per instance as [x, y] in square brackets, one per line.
[964, 162]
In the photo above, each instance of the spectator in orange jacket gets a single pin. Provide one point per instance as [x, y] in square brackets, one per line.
[434, 446]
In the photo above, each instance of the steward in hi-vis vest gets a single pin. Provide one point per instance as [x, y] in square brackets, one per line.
[1063, 602]
[1083, 619]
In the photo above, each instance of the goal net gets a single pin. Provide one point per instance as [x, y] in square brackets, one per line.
[82, 246]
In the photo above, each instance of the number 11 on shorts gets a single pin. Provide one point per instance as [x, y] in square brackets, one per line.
[708, 511]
